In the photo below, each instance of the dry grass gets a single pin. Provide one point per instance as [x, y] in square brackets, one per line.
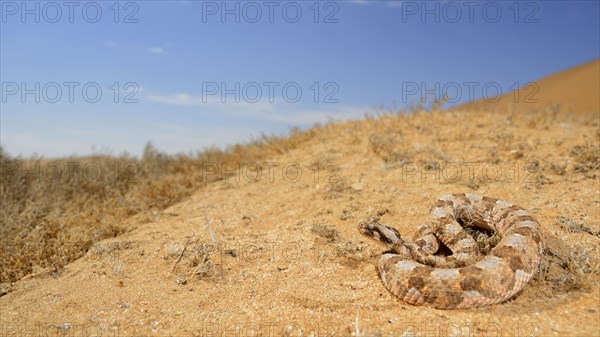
[47, 223]
[48, 220]
[507, 145]
[332, 280]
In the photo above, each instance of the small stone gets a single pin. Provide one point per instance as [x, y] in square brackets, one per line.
[65, 326]
[4, 289]
[357, 186]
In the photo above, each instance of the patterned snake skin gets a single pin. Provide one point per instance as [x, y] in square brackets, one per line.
[464, 278]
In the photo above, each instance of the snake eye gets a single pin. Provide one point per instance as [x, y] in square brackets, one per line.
[365, 225]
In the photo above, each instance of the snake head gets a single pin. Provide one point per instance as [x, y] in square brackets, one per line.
[381, 233]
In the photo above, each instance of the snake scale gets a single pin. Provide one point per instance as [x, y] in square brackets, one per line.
[419, 272]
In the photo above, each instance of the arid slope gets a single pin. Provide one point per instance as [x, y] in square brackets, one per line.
[278, 253]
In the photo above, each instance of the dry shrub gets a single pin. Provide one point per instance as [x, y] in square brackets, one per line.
[586, 159]
[564, 268]
[47, 220]
[384, 147]
[326, 232]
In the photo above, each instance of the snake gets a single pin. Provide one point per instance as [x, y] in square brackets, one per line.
[445, 268]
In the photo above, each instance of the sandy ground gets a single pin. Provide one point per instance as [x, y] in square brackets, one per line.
[279, 254]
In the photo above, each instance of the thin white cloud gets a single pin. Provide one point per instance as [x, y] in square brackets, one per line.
[157, 50]
[250, 120]
[181, 99]
[211, 103]
[288, 113]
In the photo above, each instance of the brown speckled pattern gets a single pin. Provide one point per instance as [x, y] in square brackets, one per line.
[464, 279]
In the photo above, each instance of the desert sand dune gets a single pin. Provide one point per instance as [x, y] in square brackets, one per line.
[576, 90]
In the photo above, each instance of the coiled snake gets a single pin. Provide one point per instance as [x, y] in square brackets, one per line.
[416, 274]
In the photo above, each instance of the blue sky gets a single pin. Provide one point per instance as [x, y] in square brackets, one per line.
[189, 74]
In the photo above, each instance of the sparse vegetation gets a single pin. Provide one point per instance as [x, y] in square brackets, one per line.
[48, 220]
[586, 159]
[325, 231]
[396, 163]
